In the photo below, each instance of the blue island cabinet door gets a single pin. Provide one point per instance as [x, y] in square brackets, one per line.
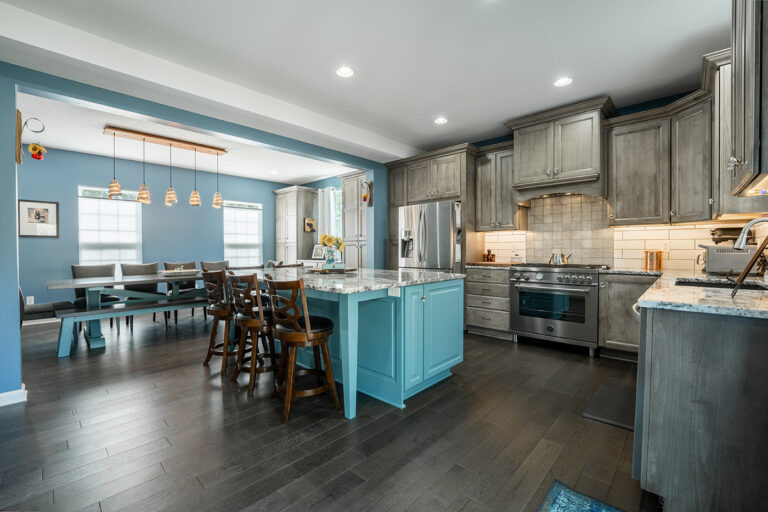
[413, 345]
[443, 326]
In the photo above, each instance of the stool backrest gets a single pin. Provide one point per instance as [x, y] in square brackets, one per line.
[140, 269]
[85, 271]
[186, 265]
[210, 266]
[216, 290]
[286, 311]
[246, 298]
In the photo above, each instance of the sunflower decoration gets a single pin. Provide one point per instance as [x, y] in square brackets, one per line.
[36, 151]
[332, 242]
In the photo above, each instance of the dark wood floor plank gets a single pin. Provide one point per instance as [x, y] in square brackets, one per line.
[142, 425]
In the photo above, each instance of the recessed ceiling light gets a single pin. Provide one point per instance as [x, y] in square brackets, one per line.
[345, 71]
[273, 173]
[440, 120]
[563, 81]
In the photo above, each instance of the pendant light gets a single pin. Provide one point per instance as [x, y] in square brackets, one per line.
[143, 196]
[217, 199]
[115, 192]
[170, 195]
[194, 197]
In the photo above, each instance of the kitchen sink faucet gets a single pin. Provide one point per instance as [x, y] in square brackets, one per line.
[741, 241]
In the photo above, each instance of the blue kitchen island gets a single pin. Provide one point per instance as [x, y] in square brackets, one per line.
[397, 332]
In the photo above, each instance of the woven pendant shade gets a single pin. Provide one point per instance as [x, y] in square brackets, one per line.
[194, 198]
[143, 196]
[115, 192]
[218, 201]
[170, 197]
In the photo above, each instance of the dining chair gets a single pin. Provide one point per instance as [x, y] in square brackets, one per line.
[139, 269]
[254, 320]
[184, 286]
[292, 265]
[295, 328]
[273, 263]
[43, 310]
[220, 309]
[86, 271]
[210, 266]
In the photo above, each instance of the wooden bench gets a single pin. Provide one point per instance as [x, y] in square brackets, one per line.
[69, 316]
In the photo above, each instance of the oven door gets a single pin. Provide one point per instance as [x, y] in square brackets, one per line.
[551, 310]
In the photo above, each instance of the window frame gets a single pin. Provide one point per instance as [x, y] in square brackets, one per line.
[231, 207]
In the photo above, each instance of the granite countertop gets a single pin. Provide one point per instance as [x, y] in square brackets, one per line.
[362, 280]
[666, 294]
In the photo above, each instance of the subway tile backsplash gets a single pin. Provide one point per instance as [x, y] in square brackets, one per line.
[579, 224]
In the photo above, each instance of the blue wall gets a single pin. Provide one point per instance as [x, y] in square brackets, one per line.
[333, 181]
[178, 233]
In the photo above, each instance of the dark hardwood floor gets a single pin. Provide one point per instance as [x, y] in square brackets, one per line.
[144, 426]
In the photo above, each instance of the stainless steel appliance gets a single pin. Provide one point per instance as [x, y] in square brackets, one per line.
[429, 235]
[725, 259]
[555, 303]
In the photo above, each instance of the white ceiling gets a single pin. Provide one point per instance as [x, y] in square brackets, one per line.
[78, 128]
[270, 64]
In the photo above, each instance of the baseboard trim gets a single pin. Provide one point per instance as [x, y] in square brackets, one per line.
[13, 397]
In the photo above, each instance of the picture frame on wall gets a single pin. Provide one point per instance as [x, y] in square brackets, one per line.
[38, 218]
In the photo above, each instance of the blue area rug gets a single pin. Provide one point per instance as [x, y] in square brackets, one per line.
[562, 498]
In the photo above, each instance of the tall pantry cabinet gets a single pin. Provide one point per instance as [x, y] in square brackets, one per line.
[354, 220]
[292, 206]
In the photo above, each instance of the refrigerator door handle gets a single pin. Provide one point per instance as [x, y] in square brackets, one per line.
[423, 234]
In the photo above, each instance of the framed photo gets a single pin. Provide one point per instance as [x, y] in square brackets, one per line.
[38, 218]
[317, 252]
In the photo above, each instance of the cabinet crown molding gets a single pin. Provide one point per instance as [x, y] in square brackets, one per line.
[294, 188]
[466, 147]
[604, 103]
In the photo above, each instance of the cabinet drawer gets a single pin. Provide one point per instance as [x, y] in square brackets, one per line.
[488, 275]
[478, 301]
[489, 319]
[493, 290]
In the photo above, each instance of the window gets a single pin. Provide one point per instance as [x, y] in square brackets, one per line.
[242, 234]
[109, 230]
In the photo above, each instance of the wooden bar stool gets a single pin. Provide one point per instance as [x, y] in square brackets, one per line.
[294, 329]
[255, 323]
[220, 310]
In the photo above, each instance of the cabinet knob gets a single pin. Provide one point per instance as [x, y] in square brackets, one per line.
[556, 172]
[423, 299]
[549, 172]
[611, 216]
[672, 213]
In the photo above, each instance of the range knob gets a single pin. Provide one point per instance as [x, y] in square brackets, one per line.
[526, 277]
[516, 276]
[560, 277]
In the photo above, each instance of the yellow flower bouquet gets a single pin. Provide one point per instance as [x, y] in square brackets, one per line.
[331, 244]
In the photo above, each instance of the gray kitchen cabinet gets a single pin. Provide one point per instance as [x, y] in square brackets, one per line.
[418, 181]
[354, 220]
[617, 327]
[487, 301]
[534, 153]
[691, 163]
[496, 206]
[392, 255]
[748, 86]
[292, 206]
[398, 186]
[561, 146]
[638, 168]
[727, 206]
[577, 147]
[444, 177]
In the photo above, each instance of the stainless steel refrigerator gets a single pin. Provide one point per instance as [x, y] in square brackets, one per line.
[428, 235]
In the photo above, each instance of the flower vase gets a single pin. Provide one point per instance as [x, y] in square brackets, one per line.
[330, 260]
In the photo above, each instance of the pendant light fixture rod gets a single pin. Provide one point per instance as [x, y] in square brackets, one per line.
[114, 164]
[217, 172]
[143, 160]
[195, 168]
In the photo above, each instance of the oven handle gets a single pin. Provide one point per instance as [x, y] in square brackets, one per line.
[584, 291]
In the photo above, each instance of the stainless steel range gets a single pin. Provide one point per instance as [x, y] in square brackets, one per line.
[556, 303]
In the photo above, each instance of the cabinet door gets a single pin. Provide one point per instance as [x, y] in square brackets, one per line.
[506, 195]
[485, 193]
[392, 255]
[577, 147]
[362, 253]
[418, 181]
[745, 91]
[618, 328]
[279, 218]
[443, 326]
[291, 226]
[280, 252]
[638, 167]
[397, 186]
[393, 220]
[413, 350]
[350, 213]
[351, 255]
[444, 177]
[290, 254]
[362, 213]
[691, 162]
[534, 146]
